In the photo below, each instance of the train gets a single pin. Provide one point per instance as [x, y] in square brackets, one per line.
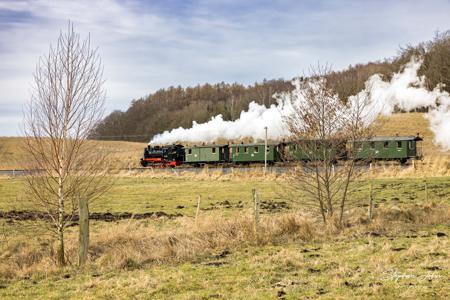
[397, 148]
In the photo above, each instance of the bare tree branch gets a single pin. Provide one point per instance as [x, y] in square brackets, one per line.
[323, 130]
[66, 104]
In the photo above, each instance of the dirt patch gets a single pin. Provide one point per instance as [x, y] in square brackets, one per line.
[223, 204]
[223, 254]
[274, 205]
[313, 270]
[265, 205]
[433, 268]
[215, 263]
[398, 249]
[26, 215]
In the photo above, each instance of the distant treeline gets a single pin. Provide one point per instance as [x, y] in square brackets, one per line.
[177, 106]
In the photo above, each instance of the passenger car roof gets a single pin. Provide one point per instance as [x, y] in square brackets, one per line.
[391, 138]
[253, 145]
[205, 146]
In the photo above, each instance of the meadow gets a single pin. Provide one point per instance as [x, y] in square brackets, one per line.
[397, 264]
[122, 154]
[403, 252]
[178, 194]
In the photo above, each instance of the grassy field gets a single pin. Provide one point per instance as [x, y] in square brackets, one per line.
[396, 259]
[173, 194]
[402, 253]
[359, 268]
[126, 154]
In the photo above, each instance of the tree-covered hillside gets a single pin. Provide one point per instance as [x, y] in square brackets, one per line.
[177, 106]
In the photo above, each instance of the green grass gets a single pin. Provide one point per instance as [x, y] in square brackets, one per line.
[388, 267]
[144, 194]
[412, 264]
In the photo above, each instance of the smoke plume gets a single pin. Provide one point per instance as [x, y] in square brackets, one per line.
[250, 124]
[406, 90]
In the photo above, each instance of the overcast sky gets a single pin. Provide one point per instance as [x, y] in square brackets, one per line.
[147, 45]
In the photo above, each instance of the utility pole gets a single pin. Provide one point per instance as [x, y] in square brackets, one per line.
[265, 151]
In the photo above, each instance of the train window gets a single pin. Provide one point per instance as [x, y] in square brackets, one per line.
[386, 144]
[411, 145]
[268, 149]
[237, 149]
[213, 149]
[189, 151]
[399, 144]
[372, 145]
[256, 149]
[245, 149]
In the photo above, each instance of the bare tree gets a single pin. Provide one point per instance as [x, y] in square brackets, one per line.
[323, 131]
[66, 104]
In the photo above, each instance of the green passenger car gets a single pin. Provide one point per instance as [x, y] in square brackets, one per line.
[251, 153]
[207, 154]
[311, 150]
[399, 148]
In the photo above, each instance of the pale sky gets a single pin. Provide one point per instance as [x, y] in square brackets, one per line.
[147, 45]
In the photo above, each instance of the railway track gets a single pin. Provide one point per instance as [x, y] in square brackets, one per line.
[275, 169]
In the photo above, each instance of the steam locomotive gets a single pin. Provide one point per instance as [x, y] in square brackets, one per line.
[399, 148]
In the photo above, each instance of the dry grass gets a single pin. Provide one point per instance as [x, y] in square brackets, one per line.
[133, 244]
[431, 166]
[11, 152]
[123, 154]
[205, 173]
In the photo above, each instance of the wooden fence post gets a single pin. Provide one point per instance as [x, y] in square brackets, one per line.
[370, 201]
[256, 213]
[83, 238]
[198, 210]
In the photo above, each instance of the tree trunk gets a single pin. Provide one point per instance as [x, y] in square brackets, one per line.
[60, 252]
[83, 238]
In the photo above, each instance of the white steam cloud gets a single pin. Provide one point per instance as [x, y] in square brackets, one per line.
[250, 124]
[406, 90]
